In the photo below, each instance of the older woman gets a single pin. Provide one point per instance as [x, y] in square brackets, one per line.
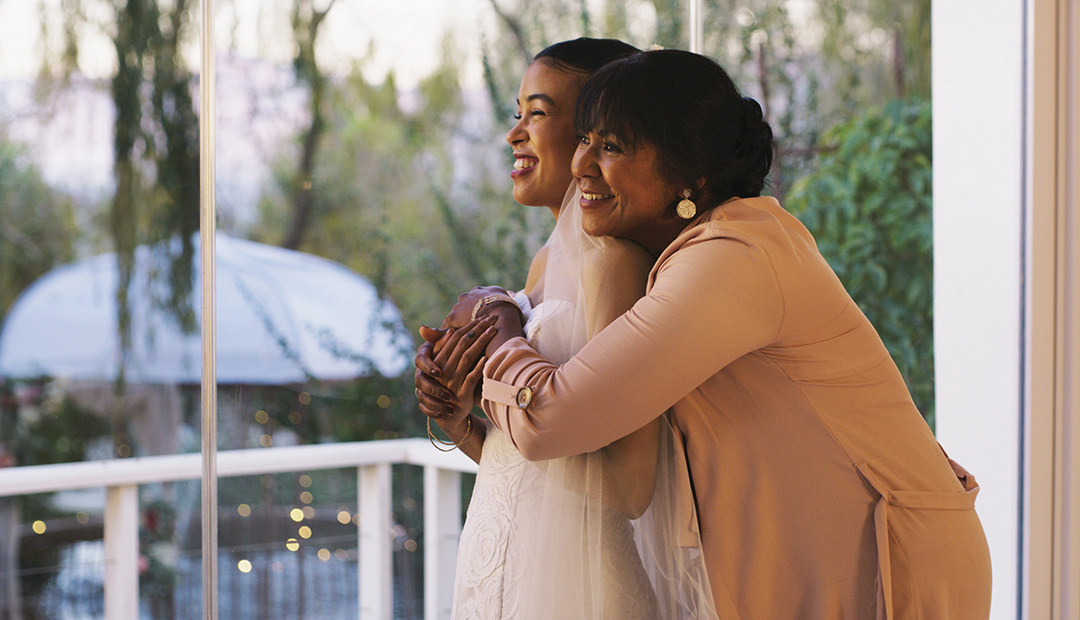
[554, 539]
[821, 491]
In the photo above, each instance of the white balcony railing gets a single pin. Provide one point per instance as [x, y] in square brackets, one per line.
[120, 478]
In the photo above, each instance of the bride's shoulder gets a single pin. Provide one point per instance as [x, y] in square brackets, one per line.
[613, 280]
[622, 256]
[534, 281]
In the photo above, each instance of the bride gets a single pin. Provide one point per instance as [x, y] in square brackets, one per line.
[609, 534]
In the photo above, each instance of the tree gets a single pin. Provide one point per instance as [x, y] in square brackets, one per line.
[37, 232]
[37, 224]
[868, 204]
[306, 22]
[812, 69]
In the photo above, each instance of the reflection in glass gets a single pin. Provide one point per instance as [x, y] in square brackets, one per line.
[99, 156]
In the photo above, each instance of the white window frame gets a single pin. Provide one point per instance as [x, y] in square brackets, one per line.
[1005, 285]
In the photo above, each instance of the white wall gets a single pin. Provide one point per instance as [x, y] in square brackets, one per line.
[978, 99]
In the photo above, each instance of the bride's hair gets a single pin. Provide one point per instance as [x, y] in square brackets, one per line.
[583, 55]
[686, 106]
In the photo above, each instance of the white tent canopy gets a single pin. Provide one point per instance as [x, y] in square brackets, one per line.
[283, 317]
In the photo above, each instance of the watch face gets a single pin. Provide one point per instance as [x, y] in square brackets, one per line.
[524, 397]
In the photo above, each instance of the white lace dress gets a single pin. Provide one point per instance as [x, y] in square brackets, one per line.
[541, 540]
[498, 573]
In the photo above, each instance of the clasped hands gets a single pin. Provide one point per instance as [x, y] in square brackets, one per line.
[450, 361]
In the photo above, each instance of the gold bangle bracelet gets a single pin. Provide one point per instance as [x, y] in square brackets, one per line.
[433, 438]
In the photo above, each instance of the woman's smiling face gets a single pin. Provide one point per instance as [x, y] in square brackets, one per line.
[623, 193]
[543, 137]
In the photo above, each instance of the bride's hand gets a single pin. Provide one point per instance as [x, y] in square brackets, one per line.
[450, 395]
[425, 378]
[462, 311]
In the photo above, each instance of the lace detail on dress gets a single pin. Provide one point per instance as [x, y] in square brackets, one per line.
[502, 528]
[498, 541]
[485, 537]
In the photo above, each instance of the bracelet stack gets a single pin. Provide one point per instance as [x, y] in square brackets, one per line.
[497, 298]
[453, 446]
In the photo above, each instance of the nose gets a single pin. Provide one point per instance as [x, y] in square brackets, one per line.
[584, 163]
[517, 133]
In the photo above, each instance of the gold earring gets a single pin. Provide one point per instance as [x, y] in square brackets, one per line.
[686, 207]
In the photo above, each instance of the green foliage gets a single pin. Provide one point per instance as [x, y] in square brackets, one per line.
[868, 204]
[37, 224]
[810, 64]
[397, 196]
[43, 425]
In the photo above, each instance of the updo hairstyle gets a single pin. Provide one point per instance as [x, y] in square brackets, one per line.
[687, 107]
[583, 55]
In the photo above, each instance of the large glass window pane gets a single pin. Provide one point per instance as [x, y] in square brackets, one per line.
[372, 136]
[363, 182]
[99, 353]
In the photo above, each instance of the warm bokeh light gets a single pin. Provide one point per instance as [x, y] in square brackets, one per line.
[324, 554]
[262, 417]
[305, 531]
[305, 481]
[309, 512]
[244, 510]
[383, 401]
[304, 398]
[39, 527]
[296, 514]
[306, 497]
[344, 517]
[244, 566]
[292, 544]
[341, 555]
[82, 518]
[266, 441]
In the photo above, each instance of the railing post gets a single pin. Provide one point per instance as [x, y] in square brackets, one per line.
[122, 552]
[442, 528]
[10, 590]
[376, 563]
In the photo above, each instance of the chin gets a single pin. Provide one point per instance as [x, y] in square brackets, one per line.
[522, 197]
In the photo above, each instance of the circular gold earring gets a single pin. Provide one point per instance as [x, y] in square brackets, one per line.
[686, 207]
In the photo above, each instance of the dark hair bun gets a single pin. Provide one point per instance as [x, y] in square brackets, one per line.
[752, 159]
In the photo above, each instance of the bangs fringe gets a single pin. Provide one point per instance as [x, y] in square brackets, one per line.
[611, 101]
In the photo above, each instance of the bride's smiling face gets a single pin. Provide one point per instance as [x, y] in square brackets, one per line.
[543, 136]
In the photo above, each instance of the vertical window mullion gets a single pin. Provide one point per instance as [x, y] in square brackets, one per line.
[696, 25]
[208, 212]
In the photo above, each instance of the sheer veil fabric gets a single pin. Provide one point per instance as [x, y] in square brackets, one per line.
[548, 540]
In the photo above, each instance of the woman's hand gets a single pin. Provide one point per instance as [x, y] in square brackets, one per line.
[462, 311]
[446, 383]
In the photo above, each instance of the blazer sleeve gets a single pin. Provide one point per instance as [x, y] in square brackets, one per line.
[712, 300]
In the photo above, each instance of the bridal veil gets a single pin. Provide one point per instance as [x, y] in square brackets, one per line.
[582, 551]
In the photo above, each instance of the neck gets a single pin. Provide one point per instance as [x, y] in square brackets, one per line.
[662, 235]
[555, 211]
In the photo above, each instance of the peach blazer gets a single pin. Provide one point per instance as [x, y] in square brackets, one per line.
[820, 490]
